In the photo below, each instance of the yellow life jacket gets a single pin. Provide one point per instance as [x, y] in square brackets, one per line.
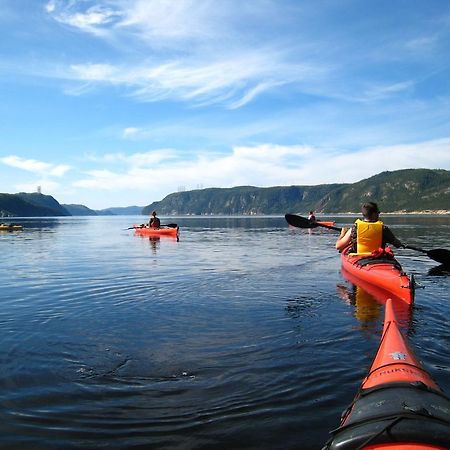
[369, 236]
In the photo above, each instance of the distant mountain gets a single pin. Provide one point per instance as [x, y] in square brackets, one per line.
[122, 211]
[402, 190]
[80, 210]
[30, 204]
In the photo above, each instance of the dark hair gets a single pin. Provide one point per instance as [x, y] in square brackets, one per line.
[369, 209]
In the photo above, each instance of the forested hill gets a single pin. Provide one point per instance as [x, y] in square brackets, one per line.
[30, 204]
[402, 190]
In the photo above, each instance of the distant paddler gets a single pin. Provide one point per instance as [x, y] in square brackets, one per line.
[154, 221]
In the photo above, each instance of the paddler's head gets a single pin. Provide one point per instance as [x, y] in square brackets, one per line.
[370, 211]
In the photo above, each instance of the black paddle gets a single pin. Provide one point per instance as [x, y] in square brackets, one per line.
[441, 255]
[303, 222]
[169, 225]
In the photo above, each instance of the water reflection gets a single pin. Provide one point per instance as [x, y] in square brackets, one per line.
[154, 243]
[367, 299]
[367, 309]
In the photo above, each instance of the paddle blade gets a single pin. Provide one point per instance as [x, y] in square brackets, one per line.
[299, 222]
[441, 255]
[170, 225]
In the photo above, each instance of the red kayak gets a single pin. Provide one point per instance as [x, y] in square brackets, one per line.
[398, 406]
[383, 272]
[146, 231]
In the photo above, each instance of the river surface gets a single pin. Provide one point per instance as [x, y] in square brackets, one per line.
[241, 335]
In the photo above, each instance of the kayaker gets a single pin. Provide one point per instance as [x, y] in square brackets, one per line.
[154, 222]
[311, 216]
[367, 235]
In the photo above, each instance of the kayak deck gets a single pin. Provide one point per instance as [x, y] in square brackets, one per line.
[399, 405]
[384, 273]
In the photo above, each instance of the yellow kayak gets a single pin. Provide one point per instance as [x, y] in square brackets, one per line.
[10, 227]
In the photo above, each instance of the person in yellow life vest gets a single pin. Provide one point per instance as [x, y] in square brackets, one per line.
[367, 235]
[154, 222]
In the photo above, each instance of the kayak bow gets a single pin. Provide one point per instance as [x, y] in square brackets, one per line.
[398, 406]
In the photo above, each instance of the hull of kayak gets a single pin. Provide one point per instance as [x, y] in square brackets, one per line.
[156, 231]
[4, 227]
[398, 406]
[385, 274]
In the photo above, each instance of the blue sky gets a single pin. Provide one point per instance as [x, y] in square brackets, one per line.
[121, 102]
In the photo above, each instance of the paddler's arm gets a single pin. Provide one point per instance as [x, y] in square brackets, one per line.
[389, 238]
[344, 239]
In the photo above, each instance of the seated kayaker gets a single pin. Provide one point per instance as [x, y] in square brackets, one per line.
[311, 216]
[154, 222]
[367, 235]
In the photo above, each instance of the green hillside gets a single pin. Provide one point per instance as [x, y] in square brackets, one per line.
[30, 205]
[403, 190]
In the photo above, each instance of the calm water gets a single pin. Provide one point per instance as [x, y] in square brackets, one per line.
[242, 335]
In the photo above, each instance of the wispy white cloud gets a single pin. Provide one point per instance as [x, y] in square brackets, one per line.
[379, 92]
[131, 132]
[340, 166]
[91, 20]
[169, 20]
[235, 80]
[422, 43]
[195, 51]
[157, 22]
[140, 159]
[38, 167]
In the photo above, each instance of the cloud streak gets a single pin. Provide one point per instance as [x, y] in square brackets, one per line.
[233, 81]
[34, 166]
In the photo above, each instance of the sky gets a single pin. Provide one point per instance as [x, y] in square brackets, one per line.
[121, 102]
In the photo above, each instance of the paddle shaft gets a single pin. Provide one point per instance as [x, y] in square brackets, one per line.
[417, 249]
[303, 222]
